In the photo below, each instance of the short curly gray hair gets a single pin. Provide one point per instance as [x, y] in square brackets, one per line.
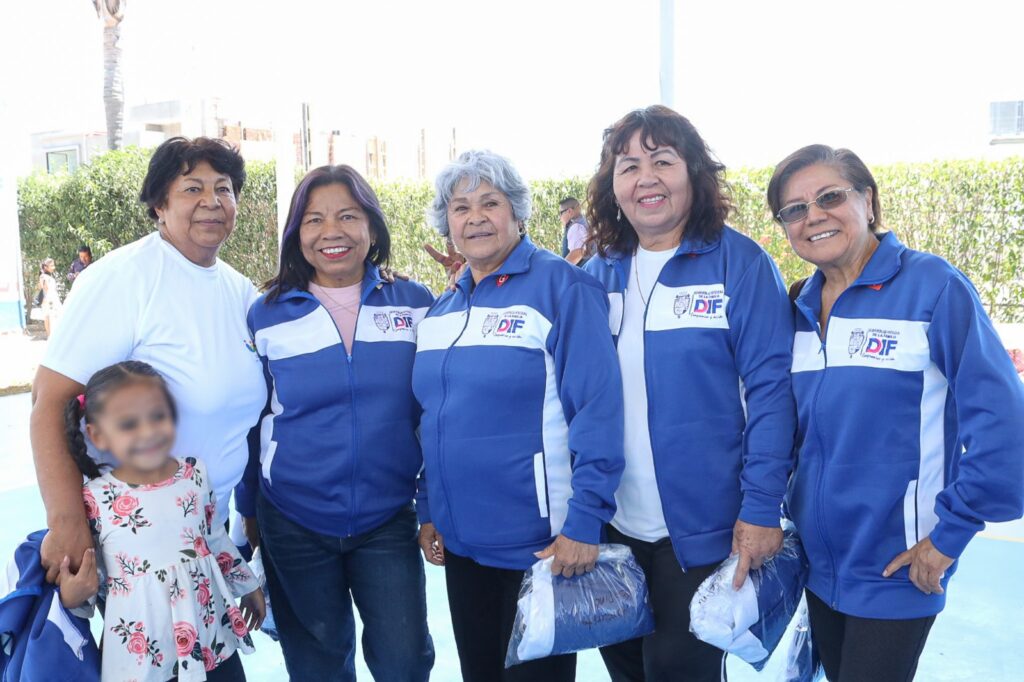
[476, 166]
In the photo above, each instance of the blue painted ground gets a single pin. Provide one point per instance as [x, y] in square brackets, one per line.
[980, 635]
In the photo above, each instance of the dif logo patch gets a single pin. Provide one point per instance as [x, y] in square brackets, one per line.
[507, 325]
[876, 344]
[399, 320]
[708, 305]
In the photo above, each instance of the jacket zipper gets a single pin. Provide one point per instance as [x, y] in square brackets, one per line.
[822, 530]
[440, 411]
[352, 396]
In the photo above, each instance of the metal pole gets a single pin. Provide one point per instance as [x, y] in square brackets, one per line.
[668, 52]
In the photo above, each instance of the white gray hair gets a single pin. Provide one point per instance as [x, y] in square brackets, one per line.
[477, 166]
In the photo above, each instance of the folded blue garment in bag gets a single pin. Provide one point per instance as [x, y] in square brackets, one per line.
[750, 622]
[559, 615]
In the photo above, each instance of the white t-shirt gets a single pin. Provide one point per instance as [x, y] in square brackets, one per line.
[146, 301]
[639, 513]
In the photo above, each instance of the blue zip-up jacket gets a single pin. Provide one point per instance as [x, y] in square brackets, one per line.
[522, 421]
[911, 426]
[717, 352]
[40, 640]
[338, 449]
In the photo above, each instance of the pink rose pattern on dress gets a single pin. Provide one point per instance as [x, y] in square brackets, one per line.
[92, 510]
[123, 509]
[134, 639]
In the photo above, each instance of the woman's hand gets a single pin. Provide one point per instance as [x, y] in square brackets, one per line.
[78, 588]
[254, 609]
[432, 544]
[571, 557]
[251, 529]
[754, 544]
[453, 261]
[389, 275]
[927, 566]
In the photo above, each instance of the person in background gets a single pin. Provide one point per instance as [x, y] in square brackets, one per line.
[332, 482]
[574, 235]
[910, 413]
[704, 332]
[522, 416]
[50, 305]
[80, 263]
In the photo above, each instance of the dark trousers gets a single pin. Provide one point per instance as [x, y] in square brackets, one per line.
[229, 670]
[482, 601]
[671, 653]
[314, 578]
[856, 649]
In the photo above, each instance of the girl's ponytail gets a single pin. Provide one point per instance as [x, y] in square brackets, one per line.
[73, 413]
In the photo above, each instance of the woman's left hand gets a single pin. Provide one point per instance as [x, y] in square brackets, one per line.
[571, 557]
[927, 566]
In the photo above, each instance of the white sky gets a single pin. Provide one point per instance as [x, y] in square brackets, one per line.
[539, 80]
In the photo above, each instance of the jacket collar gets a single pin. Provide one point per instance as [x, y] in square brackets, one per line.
[884, 264]
[371, 280]
[517, 263]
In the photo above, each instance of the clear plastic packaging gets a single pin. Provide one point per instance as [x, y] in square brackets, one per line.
[802, 663]
[749, 622]
[557, 615]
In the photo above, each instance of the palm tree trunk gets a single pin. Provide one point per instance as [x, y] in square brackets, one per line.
[113, 87]
[111, 12]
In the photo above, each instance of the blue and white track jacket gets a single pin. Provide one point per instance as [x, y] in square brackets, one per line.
[522, 421]
[911, 426]
[717, 353]
[338, 452]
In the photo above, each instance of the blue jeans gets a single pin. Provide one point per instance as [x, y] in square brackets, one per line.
[313, 578]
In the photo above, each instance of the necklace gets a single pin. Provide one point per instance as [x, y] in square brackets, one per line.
[336, 302]
[639, 288]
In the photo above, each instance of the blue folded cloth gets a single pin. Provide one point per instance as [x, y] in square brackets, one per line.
[559, 615]
[749, 622]
[40, 640]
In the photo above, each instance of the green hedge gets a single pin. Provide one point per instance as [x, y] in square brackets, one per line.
[970, 212]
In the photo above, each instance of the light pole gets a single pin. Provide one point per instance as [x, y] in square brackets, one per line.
[668, 52]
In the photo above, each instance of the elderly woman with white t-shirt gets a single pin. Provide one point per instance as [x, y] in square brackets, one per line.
[166, 300]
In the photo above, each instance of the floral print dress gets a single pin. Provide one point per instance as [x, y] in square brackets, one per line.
[170, 574]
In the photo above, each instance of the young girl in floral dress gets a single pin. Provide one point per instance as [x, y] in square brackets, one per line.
[169, 573]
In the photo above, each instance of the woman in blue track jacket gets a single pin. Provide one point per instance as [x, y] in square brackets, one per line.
[333, 478]
[911, 420]
[522, 416]
[704, 335]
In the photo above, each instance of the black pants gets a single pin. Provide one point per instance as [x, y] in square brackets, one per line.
[482, 601]
[671, 653]
[229, 670]
[856, 649]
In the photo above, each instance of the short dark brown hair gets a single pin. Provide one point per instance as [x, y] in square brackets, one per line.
[179, 156]
[848, 164]
[658, 126]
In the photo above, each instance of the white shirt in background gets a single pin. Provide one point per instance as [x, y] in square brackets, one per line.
[639, 514]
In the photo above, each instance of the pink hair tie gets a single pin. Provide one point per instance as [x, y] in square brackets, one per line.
[81, 401]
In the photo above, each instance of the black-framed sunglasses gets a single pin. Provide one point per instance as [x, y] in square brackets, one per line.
[794, 213]
[565, 210]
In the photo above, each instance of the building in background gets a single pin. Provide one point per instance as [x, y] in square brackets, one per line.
[413, 153]
[1007, 123]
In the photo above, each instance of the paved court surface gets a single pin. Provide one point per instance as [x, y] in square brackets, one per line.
[980, 636]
